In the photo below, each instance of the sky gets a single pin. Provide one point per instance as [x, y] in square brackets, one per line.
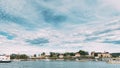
[36, 26]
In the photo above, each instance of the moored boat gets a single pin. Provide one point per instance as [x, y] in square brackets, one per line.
[5, 58]
[5, 61]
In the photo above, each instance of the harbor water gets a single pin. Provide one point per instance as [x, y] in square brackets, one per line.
[58, 64]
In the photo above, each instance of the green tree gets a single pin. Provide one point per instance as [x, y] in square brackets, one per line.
[43, 54]
[18, 56]
[13, 56]
[83, 52]
[54, 55]
[23, 56]
[35, 55]
[69, 54]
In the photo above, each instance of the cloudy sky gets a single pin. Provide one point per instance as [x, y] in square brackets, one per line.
[35, 26]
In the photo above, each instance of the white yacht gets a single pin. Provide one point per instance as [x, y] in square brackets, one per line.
[5, 58]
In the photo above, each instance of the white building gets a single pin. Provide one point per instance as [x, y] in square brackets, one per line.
[77, 55]
[61, 56]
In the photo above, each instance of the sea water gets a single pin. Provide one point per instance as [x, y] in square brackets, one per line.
[57, 64]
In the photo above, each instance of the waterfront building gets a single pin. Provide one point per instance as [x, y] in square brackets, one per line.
[61, 56]
[106, 55]
[101, 55]
[77, 54]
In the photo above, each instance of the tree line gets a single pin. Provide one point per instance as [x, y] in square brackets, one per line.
[52, 55]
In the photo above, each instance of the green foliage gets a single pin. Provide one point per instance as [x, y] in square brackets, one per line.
[83, 52]
[18, 56]
[23, 56]
[115, 54]
[35, 55]
[53, 54]
[13, 56]
[43, 54]
[69, 54]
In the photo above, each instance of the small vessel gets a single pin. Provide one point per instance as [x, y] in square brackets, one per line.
[5, 61]
[47, 59]
[5, 58]
[77, 60]
[96, 59]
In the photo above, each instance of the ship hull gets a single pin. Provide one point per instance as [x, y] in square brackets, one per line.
[5, 61]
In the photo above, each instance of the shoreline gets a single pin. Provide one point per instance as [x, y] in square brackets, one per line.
[82, 60]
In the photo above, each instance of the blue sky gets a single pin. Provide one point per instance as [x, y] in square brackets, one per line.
[59, 25]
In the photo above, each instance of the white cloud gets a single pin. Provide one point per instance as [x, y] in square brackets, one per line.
[100, 47]
[74, 38]
[113, 3]
[66, 38]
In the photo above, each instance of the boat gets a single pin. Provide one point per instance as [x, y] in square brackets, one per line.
[77, 60]
[96, 59]
[47, 59]
[5, 61]
[5, 58]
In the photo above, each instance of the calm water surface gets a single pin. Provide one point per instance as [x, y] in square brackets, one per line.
[58, 64]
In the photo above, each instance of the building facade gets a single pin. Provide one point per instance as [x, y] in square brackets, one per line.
[101, 55]
[77, 55]
[61, 56]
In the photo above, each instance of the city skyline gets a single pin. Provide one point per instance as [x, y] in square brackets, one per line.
[34, 26]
